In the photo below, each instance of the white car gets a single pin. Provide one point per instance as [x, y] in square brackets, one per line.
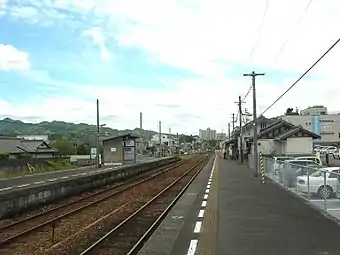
[336, 154]
[316, 182]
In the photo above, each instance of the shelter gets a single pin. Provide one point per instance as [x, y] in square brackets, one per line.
[120, 149]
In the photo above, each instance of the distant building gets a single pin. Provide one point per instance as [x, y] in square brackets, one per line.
[165, 139]
[317, 119]
[207, 134]
[221, 136]
[314, 110]
[34, 137]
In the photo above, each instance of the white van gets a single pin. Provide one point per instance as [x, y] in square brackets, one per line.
[311, 158]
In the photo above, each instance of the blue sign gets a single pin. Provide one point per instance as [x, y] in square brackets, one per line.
[316, 125]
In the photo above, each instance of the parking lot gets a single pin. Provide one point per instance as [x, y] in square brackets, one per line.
[328, 203]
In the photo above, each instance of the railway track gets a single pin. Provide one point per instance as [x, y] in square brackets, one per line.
[44, 224]
[129, 235]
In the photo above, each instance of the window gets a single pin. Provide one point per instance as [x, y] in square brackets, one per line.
[334, 174]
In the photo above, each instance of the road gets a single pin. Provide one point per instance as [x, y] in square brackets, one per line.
[41, 178]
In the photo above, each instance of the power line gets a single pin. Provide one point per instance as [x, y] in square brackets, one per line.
[247, 94]
[292, 31]
[315, 63]
[259, 30]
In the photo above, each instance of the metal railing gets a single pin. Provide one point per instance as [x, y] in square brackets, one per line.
[320, 185]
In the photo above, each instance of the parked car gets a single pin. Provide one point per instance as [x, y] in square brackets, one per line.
[278, 163]
[337, 192]
[311, 158]
[294, 168]
[336, 154]
[316, 182]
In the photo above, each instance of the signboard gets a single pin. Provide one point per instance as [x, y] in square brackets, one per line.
[316, 125]
[93, 152]
[113, 149]
[129, 143]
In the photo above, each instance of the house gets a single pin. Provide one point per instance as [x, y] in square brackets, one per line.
[119, 149]
[284, 138]
[18, 147]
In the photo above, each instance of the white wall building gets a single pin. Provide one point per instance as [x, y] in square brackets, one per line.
[314, 110]
[327, 126]
[165, 138]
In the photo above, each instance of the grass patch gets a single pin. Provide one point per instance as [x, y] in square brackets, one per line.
[49, 166]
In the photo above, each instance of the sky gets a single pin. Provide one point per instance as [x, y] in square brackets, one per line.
[177, 61]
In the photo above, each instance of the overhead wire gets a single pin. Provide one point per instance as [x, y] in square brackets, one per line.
[292, 31]
[259, 30]
[310, 68]
[245, 97]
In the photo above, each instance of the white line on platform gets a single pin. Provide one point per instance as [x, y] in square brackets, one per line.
[52, 180]
[23, 185]
[333, 209]
[205, 196]
[192, 247]
[83, 173]
[204, 203]
[209, 182]
[208, 186]
[207, 190]
[7, 188]
[198, 226]
[201, 214]
[64, 177]
[40, 182]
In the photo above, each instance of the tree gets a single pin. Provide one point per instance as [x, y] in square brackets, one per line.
[63, 146]
[83, 149]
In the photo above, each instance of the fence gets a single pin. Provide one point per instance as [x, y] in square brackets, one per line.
[318, 185]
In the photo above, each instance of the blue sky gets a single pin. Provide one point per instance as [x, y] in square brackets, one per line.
[57, 57]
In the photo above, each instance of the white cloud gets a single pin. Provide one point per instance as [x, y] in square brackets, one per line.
[210, 38]
[98, 38]
[13, 59]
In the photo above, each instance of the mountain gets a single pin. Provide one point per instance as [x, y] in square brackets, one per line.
[82, 132]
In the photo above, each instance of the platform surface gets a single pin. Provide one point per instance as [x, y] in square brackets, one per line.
[262, 219]
[241, 216]
[15, 183]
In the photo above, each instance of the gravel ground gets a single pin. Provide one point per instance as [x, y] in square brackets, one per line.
[121, 242]
[127, 201]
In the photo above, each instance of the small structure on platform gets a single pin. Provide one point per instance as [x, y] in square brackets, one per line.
[120, 149]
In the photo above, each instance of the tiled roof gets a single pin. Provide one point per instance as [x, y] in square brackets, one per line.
[18, 145]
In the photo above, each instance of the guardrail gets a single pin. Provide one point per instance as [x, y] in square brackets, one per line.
[318, 185]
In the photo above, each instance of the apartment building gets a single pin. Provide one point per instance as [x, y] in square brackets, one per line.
[207, 134]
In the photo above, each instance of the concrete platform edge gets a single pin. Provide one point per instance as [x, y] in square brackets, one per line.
[168, 237]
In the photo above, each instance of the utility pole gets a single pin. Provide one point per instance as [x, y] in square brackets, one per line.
[178, 144]
[228, 131]
[98, 153]
[170, 141]
[141, 145]
[233, 120]
[256, 159]
[240, 121]
[160, 138]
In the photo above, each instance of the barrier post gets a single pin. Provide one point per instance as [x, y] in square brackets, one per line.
[262, 168]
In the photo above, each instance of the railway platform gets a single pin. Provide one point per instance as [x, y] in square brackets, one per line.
[227, 211]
